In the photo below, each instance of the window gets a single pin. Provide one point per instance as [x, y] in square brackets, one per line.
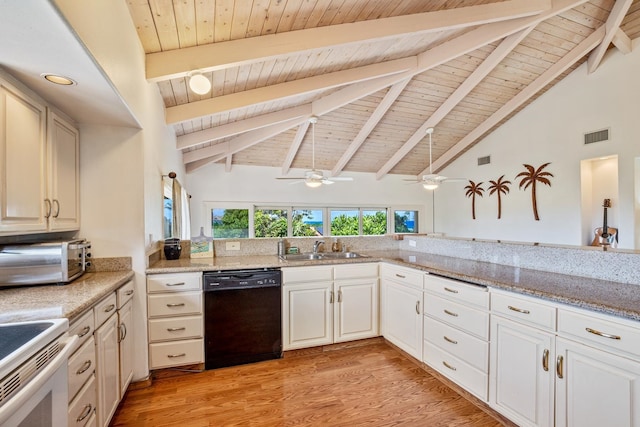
[270, 222]
[374, 222]
[405, 221]
[345, 222]
[307, 222]
[229, 223]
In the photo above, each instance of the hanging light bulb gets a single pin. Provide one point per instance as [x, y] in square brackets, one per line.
[312, 183]
[429, 185]
[199, 83]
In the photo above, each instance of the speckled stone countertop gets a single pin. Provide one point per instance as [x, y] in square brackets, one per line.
[57, 301]
[603, 296]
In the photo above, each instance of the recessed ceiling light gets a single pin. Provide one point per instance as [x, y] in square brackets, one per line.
[58, 79]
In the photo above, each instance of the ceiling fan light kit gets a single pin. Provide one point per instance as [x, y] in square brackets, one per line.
[199, 83]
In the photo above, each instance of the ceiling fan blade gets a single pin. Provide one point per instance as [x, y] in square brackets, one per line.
[290, 177]
[327, 181]
[340, 178]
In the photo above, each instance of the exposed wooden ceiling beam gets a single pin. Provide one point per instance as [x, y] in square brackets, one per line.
[215, 56]
[295, 146]
[620, 9]
[382, 108]
[498, 54]
[189, 111]
[543, 80]
[622, 42]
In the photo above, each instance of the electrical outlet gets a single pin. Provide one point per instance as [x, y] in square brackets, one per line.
[412, 243]
[233, 246]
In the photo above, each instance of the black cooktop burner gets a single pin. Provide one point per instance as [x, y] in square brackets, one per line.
[13, 337]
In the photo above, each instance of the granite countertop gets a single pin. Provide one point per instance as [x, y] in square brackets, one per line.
[56, 301]
[618, 299]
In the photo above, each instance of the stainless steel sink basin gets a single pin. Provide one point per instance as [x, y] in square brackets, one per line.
[321, 256]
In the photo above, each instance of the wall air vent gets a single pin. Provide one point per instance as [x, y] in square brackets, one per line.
[484, 160]
[597, 136]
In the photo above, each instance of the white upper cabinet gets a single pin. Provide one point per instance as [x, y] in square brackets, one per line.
[39, 161]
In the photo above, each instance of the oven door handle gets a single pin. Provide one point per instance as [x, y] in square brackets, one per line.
[16, 401]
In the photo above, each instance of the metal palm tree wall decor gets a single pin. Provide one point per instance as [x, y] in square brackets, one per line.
[530, 177]
[499, 187]
[474, 190]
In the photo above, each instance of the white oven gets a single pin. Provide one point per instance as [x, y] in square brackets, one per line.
[33, 373]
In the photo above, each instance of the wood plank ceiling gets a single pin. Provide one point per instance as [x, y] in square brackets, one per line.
[376, 74]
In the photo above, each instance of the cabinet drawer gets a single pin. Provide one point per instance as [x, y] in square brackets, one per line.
[319, 273]
[466, 318]
[524, 309]
[104, 309]
[355, 271]
[614, 335]
[174, 282]
[467, 376]
[176, 304]
[467, 348]
[176, 328]
[176, 353]
[83, 327]
[82, 365]
[463, 293]
[83, 406]
[125, 293]
[402, 275]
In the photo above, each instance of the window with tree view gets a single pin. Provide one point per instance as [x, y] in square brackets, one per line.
[374, 222]
[270, 222]
[307, 222]
[405, 221]
[230, 223]
[344, 222]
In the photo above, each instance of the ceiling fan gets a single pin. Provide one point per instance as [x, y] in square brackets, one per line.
[315, 178]
[431, 181]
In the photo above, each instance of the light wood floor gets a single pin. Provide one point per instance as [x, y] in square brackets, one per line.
[368, 385]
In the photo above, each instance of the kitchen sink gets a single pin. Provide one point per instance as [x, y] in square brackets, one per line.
[321, 256]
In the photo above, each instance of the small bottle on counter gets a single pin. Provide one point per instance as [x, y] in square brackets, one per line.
[335, 246]
[282, 247]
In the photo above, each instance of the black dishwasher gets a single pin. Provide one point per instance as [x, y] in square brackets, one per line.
[243, 317]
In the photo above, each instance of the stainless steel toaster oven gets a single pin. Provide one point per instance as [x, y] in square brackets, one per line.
[39, 263]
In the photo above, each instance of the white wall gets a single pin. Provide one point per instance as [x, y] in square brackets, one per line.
[551, 130]
[258, 185]
[121, 168]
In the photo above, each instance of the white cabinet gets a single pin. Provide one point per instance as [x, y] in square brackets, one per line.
[402, 307]
[318, 310]
[108, 369]
[39, 159]
[175, 320]
[124, 298]
[456, 332]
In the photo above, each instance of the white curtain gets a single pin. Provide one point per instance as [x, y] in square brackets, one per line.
[181, 221]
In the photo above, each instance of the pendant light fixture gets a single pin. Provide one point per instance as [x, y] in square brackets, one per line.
[199, 83]
[313, 181]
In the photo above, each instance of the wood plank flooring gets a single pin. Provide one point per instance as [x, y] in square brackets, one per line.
[367, 385]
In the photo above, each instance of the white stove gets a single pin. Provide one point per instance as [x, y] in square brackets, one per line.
[33, 371]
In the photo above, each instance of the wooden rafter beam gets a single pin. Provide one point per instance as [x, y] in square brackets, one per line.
[295, 146]
[620, 9]
[216, 56]
[543, 80]
[482, 71]
[622, 42]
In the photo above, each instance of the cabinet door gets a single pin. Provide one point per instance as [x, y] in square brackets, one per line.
[522, 372]
[107, 369]
[307, 315]
[125, 334]
[22, 163]
[403, 317]
[355, 310]
[597, 388]
[64, 179]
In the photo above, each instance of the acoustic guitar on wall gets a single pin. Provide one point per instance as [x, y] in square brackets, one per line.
[605, 236]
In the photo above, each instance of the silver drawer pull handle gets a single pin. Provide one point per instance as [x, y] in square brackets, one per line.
[446, 338]
[418, 307]
[85, 366]
[175, 284]
[176, 329]
[109, 308]
[177, 304]
[602, 334]
[449, 366]
[85, 413]
[129, 292]
[518, 310]
[401, 276]
[84, 331]
[453, 291]
[559, 367]
[451, 313]
[545, 360]
[171, 356]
